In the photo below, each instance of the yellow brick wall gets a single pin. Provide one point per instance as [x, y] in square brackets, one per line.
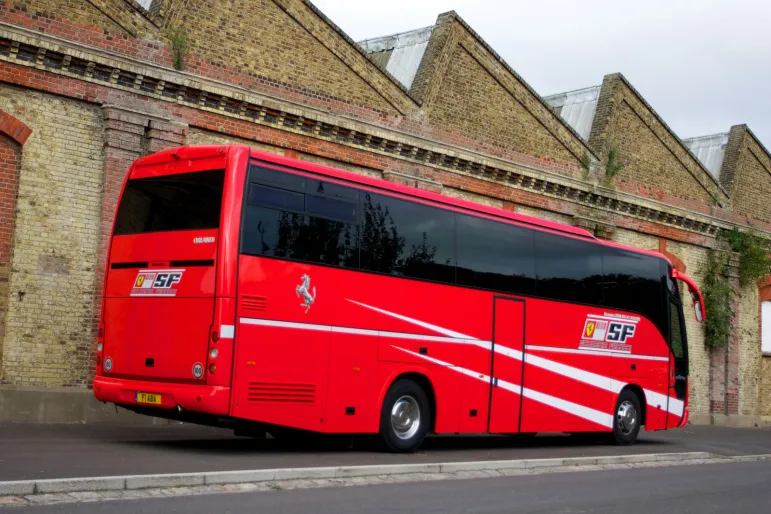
[695, 259]
[196, 136]
[749, 350]
[473, 197]
[545, 215]
[472, 102]
[649, 161]
[752, 182]
[47, 337]
[764, 394]
[259, 38]
[78, 11]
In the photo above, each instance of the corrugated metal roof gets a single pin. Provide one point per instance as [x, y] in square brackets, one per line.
[145, 3]
[710, 150]
[577, 108]
[399, 54]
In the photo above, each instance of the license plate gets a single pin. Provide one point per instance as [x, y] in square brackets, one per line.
[151, 398]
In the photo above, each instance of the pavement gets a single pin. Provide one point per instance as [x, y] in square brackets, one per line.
[728, 487]
[37, 451]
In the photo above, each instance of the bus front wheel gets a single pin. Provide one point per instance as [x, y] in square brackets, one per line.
[405, 416]
[626, 418]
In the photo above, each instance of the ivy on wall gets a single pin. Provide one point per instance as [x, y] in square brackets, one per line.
[754, 263]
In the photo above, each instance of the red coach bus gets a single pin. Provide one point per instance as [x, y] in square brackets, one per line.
[245, 289]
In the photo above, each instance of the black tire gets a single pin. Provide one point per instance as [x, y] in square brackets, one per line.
[626, 422]
[402, 398]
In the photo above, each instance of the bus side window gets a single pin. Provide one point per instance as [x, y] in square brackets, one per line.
[568, 269]
[494, 255]
[634, 283]
[407, 239]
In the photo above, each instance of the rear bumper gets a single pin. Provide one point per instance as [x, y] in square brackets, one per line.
[195, 398]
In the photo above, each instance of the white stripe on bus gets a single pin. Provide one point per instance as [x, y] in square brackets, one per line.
[605, 383]
[595, 416]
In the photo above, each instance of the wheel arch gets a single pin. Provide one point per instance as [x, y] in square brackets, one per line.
[424, 382]
[638, 391]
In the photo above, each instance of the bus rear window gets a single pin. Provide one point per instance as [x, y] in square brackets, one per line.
[187, 201]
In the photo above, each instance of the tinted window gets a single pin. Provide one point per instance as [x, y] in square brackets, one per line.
[291, 235]
[635, 282]
[494, 255]
[331, 208]
[407, 239]
[314, 222]
[281, 179]
[188, 201]
[274, 197]
[568, 269]
[677, 341]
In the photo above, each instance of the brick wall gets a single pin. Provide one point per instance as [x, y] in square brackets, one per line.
[695, 260]
[473, 97]
[746, 173]
[748, 355]
[257, 44]
[48, 328]
[657, 163]
[476, 105]
[10, 160]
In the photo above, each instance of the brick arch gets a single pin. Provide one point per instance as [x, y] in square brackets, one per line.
[13, 135]
[676, 261]
[14, 128]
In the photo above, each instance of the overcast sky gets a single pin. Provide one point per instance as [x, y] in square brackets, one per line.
[703, 65]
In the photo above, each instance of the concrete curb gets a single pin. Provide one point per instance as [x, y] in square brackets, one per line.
[133, 482]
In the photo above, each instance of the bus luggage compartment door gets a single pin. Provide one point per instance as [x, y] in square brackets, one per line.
[506, 374]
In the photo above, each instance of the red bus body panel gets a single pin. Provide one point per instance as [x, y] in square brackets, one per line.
[496, 363]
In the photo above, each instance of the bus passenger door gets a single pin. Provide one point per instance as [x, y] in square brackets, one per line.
[507, 367]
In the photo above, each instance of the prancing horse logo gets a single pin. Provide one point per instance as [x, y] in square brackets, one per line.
[304, 290]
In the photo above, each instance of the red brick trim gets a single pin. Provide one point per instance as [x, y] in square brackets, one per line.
[764, 286]
[676, 261]
[14, 128]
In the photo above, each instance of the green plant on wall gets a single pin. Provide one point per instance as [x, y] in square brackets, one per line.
[754, 264]
[611, 164]
[178, 39]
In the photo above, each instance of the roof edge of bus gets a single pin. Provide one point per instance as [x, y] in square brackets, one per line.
[634, 249]
[427, 195]
[187, 152]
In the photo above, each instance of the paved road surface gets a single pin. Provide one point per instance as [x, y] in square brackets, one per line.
[60, 451]
[740, 487]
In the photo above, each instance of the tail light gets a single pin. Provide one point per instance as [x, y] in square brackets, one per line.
[99, 347]
[221, 334]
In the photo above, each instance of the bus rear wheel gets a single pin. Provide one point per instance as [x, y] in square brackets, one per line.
[404, 417]
[626, 418]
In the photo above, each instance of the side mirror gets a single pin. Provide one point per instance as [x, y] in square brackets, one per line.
[698, 302]
[697, 307]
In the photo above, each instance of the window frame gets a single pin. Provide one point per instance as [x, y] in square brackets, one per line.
[222, 171]
[765, 327]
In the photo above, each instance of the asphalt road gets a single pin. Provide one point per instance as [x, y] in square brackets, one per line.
[740, 487]
[62, 451]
